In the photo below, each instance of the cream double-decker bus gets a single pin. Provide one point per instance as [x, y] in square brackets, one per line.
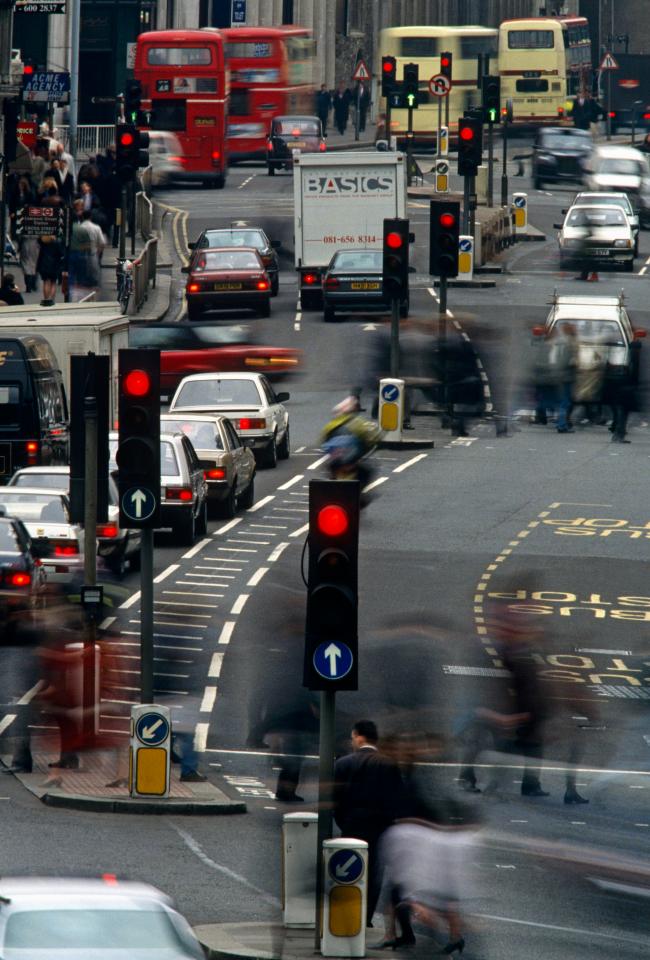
[423, 45]
[543, 62]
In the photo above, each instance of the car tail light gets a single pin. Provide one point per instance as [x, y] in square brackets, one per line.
[262, 285]
[612, 113]
[646, 116]
[178, 493]
[269, 145]
[322, 146]
[267, 259]
[216, 473]
[252, 423]
[295, 132]
[193, 287]
[560, 111]
[332, 282]
[107, 530]
[216, 156]
[19, 579]
[310, 279]
[177, 159]
[31, 447]
[66, 549]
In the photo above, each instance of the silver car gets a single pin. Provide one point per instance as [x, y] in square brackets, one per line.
[596, 235]
[612, 200]
[46, 514]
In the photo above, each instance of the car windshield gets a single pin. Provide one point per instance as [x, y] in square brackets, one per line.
[8, 539]
[53, 481]
[33, 506]
[204, 436]
[206, 393]
[241, 238]
[358, 260]
[180, 336]
[623, 168]
[592, 217]
[86, 929]
[228, 260]
[604, 200]
[557, 141]
[296, 128]
[594, 331]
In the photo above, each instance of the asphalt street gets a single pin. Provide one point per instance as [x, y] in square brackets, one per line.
[553, 526]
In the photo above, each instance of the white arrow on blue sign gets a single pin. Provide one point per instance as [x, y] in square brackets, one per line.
[333, 660]
[152, 729]
[465, 245]
[390, 392]
[520, 201]
[138, 503]
[345, 866]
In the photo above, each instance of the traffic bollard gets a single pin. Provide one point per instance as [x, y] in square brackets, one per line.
[444, 142]
[345, 896]
[299, 850]
[150, 751]
[465, 258]
[391, 408]
[520, 203]
[442, 175]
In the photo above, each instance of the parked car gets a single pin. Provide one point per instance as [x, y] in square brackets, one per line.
[116, 545]
[22, 575]
[226, 279]
[183, 491]
[291, 133]
[245, 237]
[618, 168]
[46, 515]
[248, 399]
[621, 200]
[353, 283]
[228, 464]
[596, 236]
[559, 154]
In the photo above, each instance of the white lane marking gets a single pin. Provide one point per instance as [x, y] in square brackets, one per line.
[410, 463]
[179, 603]
[107, 622]
[261, 503]
[292, 482]
[318, 463]
[201, 736]
[237, 550]
[226, 631]
[433, 293]
[216, 664]
[257, 576]
[220, 570]
[198, 851]
[297, 320]
[133, 599]
[227, 526]
[269, 526]
[298, 449]
[299, 532]
[6, 721]
[184, 593]
[551, 926]
[31, 693]
[208, 701]
[258, 543]
[375, 483]
[239, 604]
[281, 547]
[163, 576]
[196, 549]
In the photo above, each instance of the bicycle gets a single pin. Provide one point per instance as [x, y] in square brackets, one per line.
[124, 278]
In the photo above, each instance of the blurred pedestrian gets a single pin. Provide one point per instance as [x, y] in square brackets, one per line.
[9, 292]
[644, 146]
[289, 727]
[564, 359]
[544, 378]
[323, 106]
[585, 111]
[362, 99]
[620, 389]
[341, 104]
[62, 177]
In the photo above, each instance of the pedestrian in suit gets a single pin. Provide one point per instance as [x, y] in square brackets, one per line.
[341, 102]
[368, 795]
[362, 98]
[323, 106]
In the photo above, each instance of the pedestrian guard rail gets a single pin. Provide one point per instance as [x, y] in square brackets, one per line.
[143, 215]
[144, 272]
[495, 230]
[92, 138]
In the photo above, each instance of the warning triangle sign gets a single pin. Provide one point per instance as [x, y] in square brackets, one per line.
[361, 71]
[608, 62]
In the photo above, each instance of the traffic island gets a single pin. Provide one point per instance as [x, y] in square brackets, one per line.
[263, 941]
[88, 788]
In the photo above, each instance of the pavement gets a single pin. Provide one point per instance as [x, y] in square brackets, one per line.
[264, 941]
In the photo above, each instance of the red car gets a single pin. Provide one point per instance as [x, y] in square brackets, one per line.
[223, 278]
[210, 348]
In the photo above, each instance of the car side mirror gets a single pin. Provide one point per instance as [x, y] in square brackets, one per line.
[191, 245]
[276, 244]
[558, 226]
[565, 210]
[185, 269]
[640, 333]
[282, 397]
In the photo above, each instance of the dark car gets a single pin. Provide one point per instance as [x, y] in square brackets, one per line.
[245, 237]
[226, 278]
[353, 283]
[22, 577]
[559, 154]
[292, 133]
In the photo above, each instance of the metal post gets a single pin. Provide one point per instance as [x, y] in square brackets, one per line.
[388, 111]
[132, 217]
[326, 743]
[75, 30]
[3, 212]
[609, 104]
[123, 223]
[146, 617]
[472, 205]
[447, 111]
[358, 111]
[90, 563]
[442, 349]
[409, 146]
[504, 174]
[490, 179]
[466, 181]
[438, 151]
[394, 337]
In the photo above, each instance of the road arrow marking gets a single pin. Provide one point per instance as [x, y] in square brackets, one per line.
[138, 498]
[148, 732]
[344, 868]
[370, 326]
[332, 653]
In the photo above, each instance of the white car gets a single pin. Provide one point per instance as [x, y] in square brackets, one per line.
[612, 200]
[596, 235]
[249, 401]
[619, 168]
[45, 513]
[55, 918]
[166, 158]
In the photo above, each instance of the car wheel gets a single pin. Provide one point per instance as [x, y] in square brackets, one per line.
[247, 499]
[629, 266]
[269, 457]
[265, 309]
[220, 182]
[202, 520]
[275, 285]
[271, 170]
[185, 529]
[310, 301]
[194, 311]
[328, 315]
[284, 447]
[636, 247]
[228, 507]
[117, 565]
[135, 561]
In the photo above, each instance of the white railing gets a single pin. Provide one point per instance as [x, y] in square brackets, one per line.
[92, 138]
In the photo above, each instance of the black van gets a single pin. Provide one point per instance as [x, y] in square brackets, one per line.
[34, 425]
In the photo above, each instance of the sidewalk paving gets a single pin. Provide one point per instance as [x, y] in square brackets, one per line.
[267, 941]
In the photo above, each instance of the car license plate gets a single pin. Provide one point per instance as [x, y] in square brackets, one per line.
[600, 252]
[296, 143]
[356, 285]
[228, 286]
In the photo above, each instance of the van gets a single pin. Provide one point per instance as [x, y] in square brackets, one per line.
[165, 158]
[619, 168]
[34, 423]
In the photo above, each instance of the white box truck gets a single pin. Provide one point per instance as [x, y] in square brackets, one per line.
[341, 201]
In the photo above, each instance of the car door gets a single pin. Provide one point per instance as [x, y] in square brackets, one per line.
[275, 408]
[240, 457]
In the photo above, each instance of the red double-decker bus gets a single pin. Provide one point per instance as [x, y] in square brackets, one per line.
[185, 89]
[271, 74]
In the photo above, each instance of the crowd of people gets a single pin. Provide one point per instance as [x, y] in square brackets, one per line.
[71, 260]
[339, 102]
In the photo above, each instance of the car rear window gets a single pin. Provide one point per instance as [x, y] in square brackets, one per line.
[8, 539]
[364, 260]
[243, 238]
[202, 393]
[53, 481]
[86, 929]
[204, 436]
[296, 128]
[33, 506]
[623, 168]
[230, 260]
[603, 200]
[168, 460]
[606, 332]
[591, 217]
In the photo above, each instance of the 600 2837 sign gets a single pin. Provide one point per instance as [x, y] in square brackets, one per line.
[40, 6]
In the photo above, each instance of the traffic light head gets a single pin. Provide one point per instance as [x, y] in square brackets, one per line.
[388, 75]
[491, 90]
[138, 452]
[446, 61]
[444, 232]
[133, 101]
[470, 146]
[130, 150]
[411, 82]
[28, 69]
[395, 265]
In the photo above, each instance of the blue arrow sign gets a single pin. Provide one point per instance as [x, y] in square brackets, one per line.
[390, 392]
[345, 866]
[152, 729]
[465, 245]
[138, 503]
[520, 201]
[333, 660]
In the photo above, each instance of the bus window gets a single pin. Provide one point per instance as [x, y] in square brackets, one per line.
[249, 50]
[179, 56]
[168, 115]
[239, 102]
[531, 86]
[10, 405]
[470, 47]
[530, 40]
[420, 46]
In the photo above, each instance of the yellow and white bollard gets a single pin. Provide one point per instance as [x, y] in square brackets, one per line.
[465, 258]
[299, 849]
[150, 751]
[520, 203]
[442, 176]
[391, 408]
[444, 142]
[345, 897]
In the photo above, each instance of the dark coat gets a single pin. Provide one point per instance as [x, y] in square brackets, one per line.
[368, 794]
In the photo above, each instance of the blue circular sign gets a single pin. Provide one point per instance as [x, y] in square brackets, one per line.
[465, 245]
[390, 392]
[152, 729]
[520, 201]
[138, 503]
[333, 659]
[345, 866]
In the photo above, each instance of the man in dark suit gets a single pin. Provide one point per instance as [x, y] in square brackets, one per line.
[368, 791]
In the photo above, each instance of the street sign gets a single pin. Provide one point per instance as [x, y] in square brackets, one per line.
[361, 71]
[238, 14]
[138, 503]
[333, 660]
[390, 392]
[608, 62]
[152, 729]
[46, 87]
[32, 221]
[40, 6]
[465, 245]
[346, 866]
[629, 84]
[440, 85]
[27, 132]
[519, 201]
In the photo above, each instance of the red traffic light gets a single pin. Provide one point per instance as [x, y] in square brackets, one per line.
[137, 383]
[466, 133]
[126, 139]
[394, 240]
[28, 69]
[447, 220]
[387, 66]
[332, 520]
[444, 61]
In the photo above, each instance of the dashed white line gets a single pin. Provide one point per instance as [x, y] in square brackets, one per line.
[215, 665]
[227, 526]
[7, 721]
[292, 482]
[226, 631]
[375, 483]
[184, 593]
[257, 576]
[166, 573]
[208, 701]
[201, 736]
[237, 550]
[299, 531]
[195, 549]
[239, 603]
[281, 547]
[261, 503]
[318, 463]
[132, 600]
[410, 463]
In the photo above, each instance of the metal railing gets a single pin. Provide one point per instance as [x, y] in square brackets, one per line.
[143, 215]
[92, 138]
[144, 272]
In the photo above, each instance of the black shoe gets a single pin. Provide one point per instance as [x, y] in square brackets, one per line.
[452, 947]
[289, 798]
[534, 792]
[469, 786]
[193, 777]
[67, 763]
[572, 796]
[395, 943]
[16, 768]
[617, 439]
[565, 430]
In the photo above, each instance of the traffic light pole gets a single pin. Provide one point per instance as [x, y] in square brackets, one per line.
[504, 172]
[409, 147]
[442, 344]
[90, 565]
[438, 146]
[388, 111]
[394, 337]
[123, 207]
[466, 213]
[490, 180]
[326, 752]
[146, 616]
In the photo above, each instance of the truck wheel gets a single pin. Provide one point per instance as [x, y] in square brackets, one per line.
[194, 311]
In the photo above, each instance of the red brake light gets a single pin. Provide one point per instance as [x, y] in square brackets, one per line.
[295, 132]
[193, 287]
[28, 69]
[322, 146]
[269, 145]
[612, 113]
[394, 240]
[110, 878]
[107, 530]
[20, 579]
[217, 473]
[332, 282]
[332, 520]
[216, 155]
[447, 220]
[466, 133]
[66, 550]
[178, 493]
[310, 278]
[137, 383]
[252, 423]
[262, 285]
[31, 446]
[646, 116]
